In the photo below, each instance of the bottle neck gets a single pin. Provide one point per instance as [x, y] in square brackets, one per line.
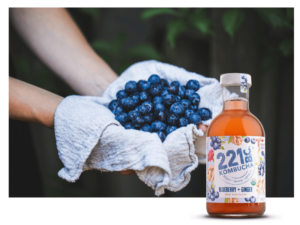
[235, 99]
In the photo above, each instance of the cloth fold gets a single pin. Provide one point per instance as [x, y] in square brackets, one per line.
[88, 136]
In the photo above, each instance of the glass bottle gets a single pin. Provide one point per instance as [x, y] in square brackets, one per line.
[235, 154]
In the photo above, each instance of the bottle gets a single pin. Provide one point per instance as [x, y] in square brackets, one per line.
[235, 155]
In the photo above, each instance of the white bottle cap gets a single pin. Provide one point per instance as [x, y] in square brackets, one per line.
[235, 79]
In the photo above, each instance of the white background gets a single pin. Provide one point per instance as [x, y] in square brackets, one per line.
[129, 210]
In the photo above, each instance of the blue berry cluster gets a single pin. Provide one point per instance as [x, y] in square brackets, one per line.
[158, 106]
[261, 168]
[212, 195]
[244, 82]
[215, 143]
[252, 199]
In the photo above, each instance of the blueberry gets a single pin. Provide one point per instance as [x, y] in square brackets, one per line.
[158, 126]
[164, 93]
[149, 118]
[128, 103]
[132, 114]
[247, 139]
[189, 93]
[262, 153]
[143, 85]
[208, 195]
[183, 121]
[143, 110]
[247, 199]
[259, 167]
[218, 140]
[159, 107]
[177, 98]
[173, 120]
[212, 197]
[161, 135]
[205, 113]
[170, 129]
[262, 171]
[181, 92]
[173, 89]
[149, 105]
[155, 90]
[243, 77]
[252, 199]
[129, 125]
[113, 104]
[216, 146]
[253, 141]
[164, 83]
[216, 194]
[138, 121]
[118, 109]
[136, 98]
[195, 99]
[157, 99]
[160, 115]
[144, 96]
[193, 84]
[212, 191]
[177, 109]
[130, 87]
[186, 104]
[121, 94]
[122, 118]
[154, 79]
[189, 112]
[195, 119]
[214, 138]
[194, 107]
[146, 128]
[168, 100]
[175, 83]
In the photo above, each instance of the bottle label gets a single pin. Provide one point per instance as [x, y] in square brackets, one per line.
[235, 169]
[243, 79]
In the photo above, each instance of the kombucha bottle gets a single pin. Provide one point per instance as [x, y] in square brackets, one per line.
[235, 155]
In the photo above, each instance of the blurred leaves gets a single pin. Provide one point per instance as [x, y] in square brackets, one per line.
[118, 56]
[149, 13]
[174, 28]
[287, 47]
[232, 20]
[92, 12]
[276, 17]
[200, 20]
[184, 18]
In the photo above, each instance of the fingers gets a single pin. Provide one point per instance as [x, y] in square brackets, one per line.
[127, 172]
[202, 127]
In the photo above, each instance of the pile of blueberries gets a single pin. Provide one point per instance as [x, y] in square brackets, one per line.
[247, 140]
[157, 106]
[252, 199]
[212, 195]
[215, 143]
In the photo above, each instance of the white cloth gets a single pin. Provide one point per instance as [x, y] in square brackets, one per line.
[88, 136]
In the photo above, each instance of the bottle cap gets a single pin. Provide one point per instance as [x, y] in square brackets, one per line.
[235, 79]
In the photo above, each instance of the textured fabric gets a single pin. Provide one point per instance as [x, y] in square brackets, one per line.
[88, 136]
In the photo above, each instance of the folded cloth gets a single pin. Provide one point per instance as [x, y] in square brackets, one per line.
[88, 136]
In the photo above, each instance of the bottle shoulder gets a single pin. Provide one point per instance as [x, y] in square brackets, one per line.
[242, 123]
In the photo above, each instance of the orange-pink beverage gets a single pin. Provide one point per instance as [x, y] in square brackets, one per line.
[235, 155]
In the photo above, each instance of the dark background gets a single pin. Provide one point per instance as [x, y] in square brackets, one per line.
[207, 41]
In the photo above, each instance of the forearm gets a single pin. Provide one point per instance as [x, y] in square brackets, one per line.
[55, 38]
[32, 104]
